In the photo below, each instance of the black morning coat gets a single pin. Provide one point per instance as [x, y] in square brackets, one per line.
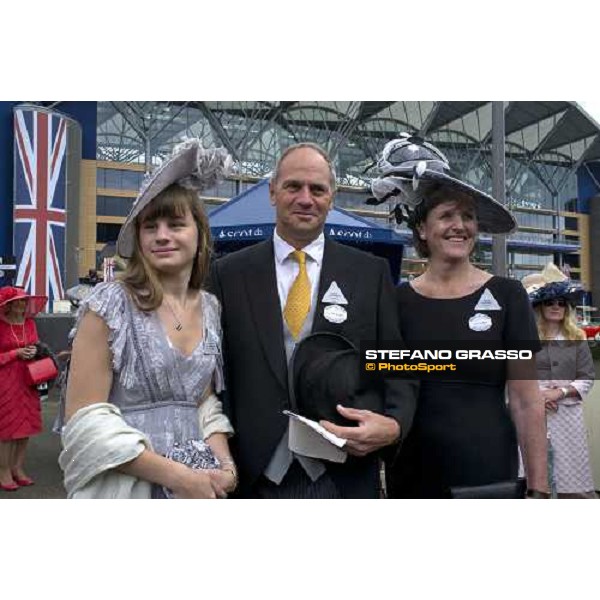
[255, 360]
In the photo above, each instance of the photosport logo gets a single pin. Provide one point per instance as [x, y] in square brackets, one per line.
[460, 361]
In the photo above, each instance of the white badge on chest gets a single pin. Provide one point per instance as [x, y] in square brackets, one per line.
[480, 322]
[487, 302]
[334, 295]
[335, 313]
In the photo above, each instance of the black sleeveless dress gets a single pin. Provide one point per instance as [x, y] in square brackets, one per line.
[462, 434]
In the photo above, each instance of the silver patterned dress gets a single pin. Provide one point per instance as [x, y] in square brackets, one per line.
[157, 388]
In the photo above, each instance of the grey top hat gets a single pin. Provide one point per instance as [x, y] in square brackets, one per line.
[411, 167]
[191, 166]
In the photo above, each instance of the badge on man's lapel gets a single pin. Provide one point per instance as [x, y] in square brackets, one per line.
[334, 295]
[335, 313]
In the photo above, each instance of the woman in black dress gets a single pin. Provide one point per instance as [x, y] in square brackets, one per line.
[463, 434]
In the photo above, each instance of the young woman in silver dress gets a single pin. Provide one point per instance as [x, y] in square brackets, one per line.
[141, 408]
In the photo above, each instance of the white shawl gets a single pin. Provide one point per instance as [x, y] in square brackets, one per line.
[95, 441]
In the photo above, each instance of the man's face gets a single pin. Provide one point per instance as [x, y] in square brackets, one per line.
[302, 196]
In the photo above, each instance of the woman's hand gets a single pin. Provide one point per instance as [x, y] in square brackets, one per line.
[551, 398]
[225, 479]
[27, 353]
[196, 483]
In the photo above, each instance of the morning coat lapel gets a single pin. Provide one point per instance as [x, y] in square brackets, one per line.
[260, 280]
[335, 268]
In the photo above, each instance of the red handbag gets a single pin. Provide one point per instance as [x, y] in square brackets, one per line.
[40, 371]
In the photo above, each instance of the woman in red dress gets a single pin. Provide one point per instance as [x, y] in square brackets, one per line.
[20, 411]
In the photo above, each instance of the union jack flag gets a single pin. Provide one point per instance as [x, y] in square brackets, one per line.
[39, 202]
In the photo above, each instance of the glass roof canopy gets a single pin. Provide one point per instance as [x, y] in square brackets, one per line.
[550, 139]
[533, 127]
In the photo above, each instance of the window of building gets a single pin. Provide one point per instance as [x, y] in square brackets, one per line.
[222, 189]
[100, 178]
[118, 179]
[131, 180]
[107, 232]
[111, 206]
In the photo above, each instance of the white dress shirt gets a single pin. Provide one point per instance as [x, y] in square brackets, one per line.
[287, 268]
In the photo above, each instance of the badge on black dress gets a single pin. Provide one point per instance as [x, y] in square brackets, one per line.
[487, 302]
[480, 322]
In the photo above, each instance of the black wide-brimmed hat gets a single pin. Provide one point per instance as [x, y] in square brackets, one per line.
[191, 166]
[411, 168]
[324, 371]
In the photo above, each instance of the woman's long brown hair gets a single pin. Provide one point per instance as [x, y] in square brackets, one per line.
[140, 278]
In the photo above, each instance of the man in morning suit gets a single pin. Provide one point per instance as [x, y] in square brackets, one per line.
[275, 293]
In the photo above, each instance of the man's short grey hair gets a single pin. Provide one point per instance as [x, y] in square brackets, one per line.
[312, 146]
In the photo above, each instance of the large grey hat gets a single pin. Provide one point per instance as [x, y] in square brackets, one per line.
[411, 168]
[191, 166]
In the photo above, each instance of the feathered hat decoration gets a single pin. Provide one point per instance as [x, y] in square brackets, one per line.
[411, 168]
[191, 166]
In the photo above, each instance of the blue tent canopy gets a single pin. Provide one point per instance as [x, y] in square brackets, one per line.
[250, 216]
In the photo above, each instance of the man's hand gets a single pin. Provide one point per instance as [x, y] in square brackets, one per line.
[373, 431]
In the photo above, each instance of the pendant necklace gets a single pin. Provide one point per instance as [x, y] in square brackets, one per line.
[20, 343]
[178, 325]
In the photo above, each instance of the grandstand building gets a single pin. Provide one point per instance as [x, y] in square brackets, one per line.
[552, 165]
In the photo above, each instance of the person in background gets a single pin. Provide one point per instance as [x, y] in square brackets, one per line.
[566, 376]
[463, 435]
[20, 410]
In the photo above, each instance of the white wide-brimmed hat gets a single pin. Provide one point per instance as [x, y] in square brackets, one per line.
[411, 168]
[191, 166]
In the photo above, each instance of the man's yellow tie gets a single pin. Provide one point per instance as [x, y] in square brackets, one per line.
[297, 305]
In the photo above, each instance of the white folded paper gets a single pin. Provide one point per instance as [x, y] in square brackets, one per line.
[308, 438]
